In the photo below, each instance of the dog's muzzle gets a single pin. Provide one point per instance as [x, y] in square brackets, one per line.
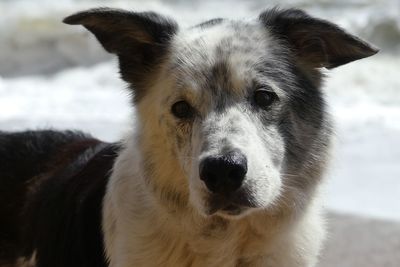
[224, 174]
[224, 177]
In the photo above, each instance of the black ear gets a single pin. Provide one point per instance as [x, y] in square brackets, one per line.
[140, 40]
[316, 43]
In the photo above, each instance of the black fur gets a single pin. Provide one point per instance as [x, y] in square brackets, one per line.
[52, 186]
[22, 157]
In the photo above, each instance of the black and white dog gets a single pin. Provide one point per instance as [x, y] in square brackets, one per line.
[222, 169]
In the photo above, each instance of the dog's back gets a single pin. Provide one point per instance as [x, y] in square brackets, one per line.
[37, 170]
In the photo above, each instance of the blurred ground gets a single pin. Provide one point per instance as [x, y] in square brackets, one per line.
[361, 242]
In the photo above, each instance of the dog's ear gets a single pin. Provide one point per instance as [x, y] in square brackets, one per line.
[140, 40]
[316, 43]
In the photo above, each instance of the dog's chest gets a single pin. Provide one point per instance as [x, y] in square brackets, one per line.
[209, 247]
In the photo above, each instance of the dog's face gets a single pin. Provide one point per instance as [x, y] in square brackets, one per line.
[225, 107]
[236, 105]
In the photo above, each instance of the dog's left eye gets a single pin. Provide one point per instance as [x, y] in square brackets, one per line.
[182, 110]
[264, 98]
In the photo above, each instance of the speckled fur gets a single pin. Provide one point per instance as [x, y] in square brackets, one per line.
[155, 180]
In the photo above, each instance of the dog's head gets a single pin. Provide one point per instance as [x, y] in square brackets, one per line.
[231, 113]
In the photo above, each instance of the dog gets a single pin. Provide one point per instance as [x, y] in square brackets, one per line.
[222, 168]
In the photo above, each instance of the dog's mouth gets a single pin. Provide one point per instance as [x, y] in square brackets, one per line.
[229, 211]
[233, 210]
[231, 206]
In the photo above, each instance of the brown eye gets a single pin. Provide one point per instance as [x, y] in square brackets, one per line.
[264, 98]
[182, 110]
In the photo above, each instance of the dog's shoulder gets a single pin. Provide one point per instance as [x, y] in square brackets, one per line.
[53, 184]
[65, 211]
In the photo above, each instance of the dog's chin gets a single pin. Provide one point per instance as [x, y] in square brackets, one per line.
[233, 212]
[230, 206]
[228, 210]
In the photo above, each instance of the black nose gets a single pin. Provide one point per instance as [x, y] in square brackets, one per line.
[224, 174]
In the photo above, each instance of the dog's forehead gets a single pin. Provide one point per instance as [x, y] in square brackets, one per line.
[235, 33]
[224, 54]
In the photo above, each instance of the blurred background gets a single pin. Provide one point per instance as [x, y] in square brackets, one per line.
[57, 76]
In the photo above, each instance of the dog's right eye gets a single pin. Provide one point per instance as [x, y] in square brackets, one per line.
[182, 110]
[264, 98]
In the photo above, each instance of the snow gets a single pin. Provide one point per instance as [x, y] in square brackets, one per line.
[365, 102]
[90, 99]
